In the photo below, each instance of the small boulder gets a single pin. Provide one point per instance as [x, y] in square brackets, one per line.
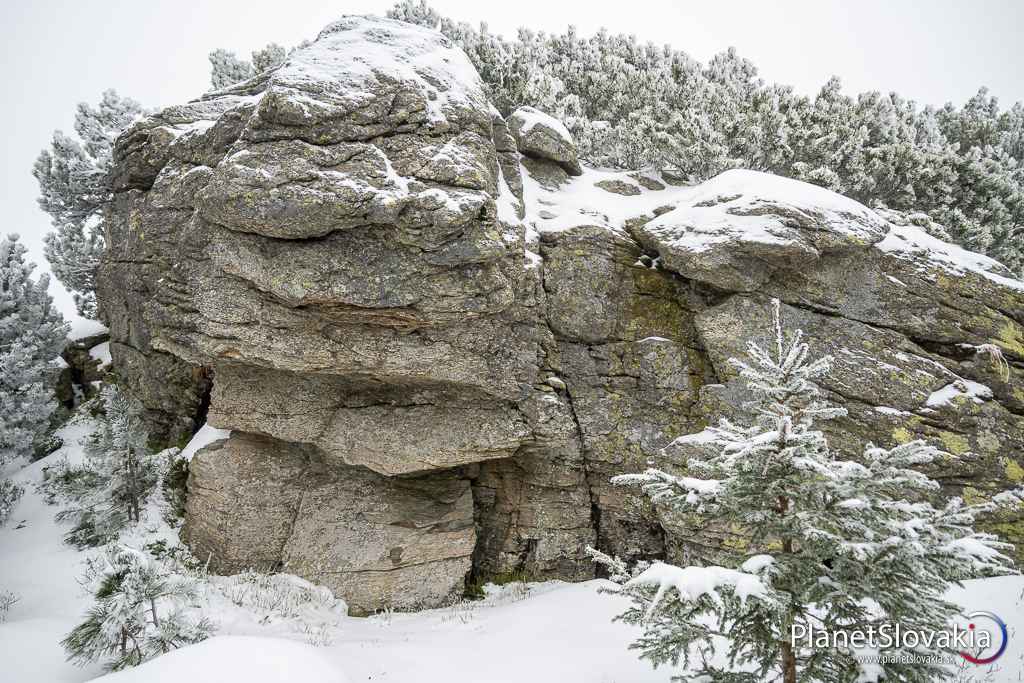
[543, 136]
[616, 186]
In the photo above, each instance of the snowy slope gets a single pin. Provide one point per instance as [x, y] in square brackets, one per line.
[551, 632]
[237, 658]
[37, 566]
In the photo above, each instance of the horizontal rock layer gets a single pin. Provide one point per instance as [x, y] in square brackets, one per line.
[435, 347]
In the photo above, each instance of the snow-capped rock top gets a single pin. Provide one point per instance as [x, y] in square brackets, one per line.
[355, 58]
[751, 206]
[737, 227]
[540, 135]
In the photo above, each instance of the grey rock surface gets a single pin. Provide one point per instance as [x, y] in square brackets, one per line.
[435, 346]
[542, 136]
[260, 503]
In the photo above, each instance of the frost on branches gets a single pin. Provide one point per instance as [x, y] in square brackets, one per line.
[631, 104]
[226, 68]
[834, 544]
[32, 335]
[74, 188]
[10, 494]
[139, 613]
[105, 494]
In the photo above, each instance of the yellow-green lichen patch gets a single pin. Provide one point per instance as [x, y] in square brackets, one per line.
[902, 435]
[954, 443]
[973, 496]
[1010, 339]
[1014, 472]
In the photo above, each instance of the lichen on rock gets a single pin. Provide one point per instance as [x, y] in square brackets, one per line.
[436, 336]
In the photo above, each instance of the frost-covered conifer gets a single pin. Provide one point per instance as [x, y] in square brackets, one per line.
[74, 188]
[107, 492]
[226, 68]
[10, 494]
[269, 57]
[139, 612]
[32, 335]
[833, 544]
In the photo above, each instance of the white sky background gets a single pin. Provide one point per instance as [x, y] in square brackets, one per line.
[55, 54]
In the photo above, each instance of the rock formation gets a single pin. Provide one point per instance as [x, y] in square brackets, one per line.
[435, 336]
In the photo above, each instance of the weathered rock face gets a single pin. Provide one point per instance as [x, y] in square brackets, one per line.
[255, 502]
[435, 347]
[539, 135]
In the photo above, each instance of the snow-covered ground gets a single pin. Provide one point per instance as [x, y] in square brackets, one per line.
[549, 632]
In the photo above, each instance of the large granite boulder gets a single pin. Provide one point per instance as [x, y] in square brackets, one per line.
[259, 503]
[434, 346]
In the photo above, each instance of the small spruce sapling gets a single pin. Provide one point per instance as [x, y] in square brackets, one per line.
[834, 544]
[107, 492]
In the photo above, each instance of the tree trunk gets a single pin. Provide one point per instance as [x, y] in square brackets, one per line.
[788, 663]
[788, 656]
[133, 491]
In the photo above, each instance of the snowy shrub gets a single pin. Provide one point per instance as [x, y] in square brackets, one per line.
[226, 68]
[318, 635]
[7, 600]
[384, 616]
[842, 545]
[139, 611]
[633, 105]
[10, 494]
[277, 595]
[459, 611]
[74, 188]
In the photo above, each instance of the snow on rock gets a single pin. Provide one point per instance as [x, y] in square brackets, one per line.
[965, 388]
[579, 201]
[911, 243]
[236, 659]
[735, 229]
[84, 327]
[101, 352]
[347, 63]
[529, 118]
[751, 206]
[540, 135]
[205, 436]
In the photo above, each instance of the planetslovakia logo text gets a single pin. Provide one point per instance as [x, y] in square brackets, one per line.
[983, 641]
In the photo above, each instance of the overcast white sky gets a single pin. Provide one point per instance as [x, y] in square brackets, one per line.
[55, 54]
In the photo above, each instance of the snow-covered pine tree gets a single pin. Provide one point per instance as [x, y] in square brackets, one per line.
[269, 57]
[834, 544]
[139, 612]
[74, 188]
[32, 335]
[226, 68]
[107, 493]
